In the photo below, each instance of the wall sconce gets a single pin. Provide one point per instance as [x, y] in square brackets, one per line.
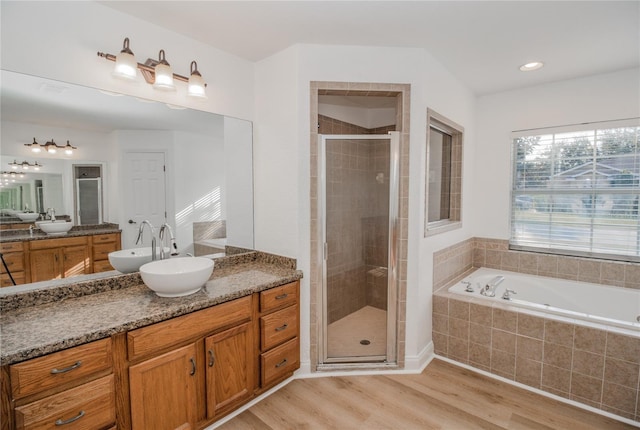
[155, 72]
[51, 147]
[25, 165]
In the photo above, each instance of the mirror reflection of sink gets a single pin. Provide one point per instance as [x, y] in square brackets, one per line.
[54, 228]
[27, 216]
[176, 277]
[130, 260]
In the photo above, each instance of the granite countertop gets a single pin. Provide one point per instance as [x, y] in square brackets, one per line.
[36, 324]
[25, 235]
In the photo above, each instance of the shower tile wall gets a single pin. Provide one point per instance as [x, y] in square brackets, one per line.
[357, 224]
[402, 94]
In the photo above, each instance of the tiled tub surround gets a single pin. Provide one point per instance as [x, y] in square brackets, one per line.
[37, 321]
[449, 263]
[589, 363]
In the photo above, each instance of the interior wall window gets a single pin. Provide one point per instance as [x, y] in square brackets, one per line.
[443, 174]
[575, 190]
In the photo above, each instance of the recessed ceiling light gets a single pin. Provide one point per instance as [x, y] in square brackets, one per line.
[534, 65]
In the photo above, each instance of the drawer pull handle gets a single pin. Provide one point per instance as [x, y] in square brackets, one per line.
[193, 366]
[282, 327]
[282, 363]
[282, 296]
[212, 359]
[66, 369]
[70, 420]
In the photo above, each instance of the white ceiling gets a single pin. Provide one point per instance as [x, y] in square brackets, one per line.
[481, 42]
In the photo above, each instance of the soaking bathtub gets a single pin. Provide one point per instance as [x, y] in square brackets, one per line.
[589, 302]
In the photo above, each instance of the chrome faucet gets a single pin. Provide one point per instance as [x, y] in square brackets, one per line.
[153, 237]
[173, 248]
[489, 289]
[52, 214]
[507, 294]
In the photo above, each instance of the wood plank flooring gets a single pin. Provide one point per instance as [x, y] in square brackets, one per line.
[444, 396]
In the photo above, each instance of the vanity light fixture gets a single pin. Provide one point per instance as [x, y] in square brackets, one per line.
[155, 72]
[534, 65]
[25, 165]
[12, 175]
[51, 147]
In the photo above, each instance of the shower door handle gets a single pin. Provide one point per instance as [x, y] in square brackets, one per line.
[325, 251]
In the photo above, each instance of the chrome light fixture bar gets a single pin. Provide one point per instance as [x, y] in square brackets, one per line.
[155, 72]
[25, 165]
[51, 147]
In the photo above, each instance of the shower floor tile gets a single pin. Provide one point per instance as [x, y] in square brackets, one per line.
[367, 323]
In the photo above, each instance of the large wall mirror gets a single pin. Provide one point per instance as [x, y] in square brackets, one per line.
[208, 178]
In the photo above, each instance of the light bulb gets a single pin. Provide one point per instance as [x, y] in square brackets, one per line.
[196, 87]
[163, 75]
[126, 65]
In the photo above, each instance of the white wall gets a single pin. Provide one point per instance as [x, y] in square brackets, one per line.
[597, 98]
[59, 40]
[281, 139]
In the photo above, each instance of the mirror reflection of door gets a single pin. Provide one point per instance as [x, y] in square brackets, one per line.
[144, 195]
[88, 194]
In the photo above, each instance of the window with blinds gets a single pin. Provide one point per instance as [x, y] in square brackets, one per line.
[576, 189]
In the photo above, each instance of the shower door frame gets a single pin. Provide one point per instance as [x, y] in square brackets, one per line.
[392, 258]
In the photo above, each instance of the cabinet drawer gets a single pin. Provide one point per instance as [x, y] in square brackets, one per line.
[14, 260]
[278, 326]
[59, 368]
[162, 335]
[5, 281]
[102, 266]
[101, 251]
[88, 406]
[279, 297]
[280, 361]
[56, 243]
[11, 247]
[105, 238]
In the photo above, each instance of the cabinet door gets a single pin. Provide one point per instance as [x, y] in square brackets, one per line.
[163, 391]
[45, 264]
[229, 368]
[76, 260]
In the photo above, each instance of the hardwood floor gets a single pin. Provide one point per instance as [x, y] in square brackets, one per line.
[444, 396]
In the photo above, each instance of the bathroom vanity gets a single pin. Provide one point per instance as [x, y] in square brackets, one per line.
[109, 353]
[35, 256]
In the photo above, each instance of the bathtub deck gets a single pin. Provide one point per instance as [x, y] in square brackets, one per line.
[444, 396]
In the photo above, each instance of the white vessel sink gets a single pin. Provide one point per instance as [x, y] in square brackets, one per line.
[54, 228]
[130, 260]
[176, 277]
[27, 216]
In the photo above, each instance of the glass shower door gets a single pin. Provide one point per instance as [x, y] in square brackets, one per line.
[358, 204]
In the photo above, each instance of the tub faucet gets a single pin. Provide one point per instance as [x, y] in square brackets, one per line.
[507, 294]
[153, 237]
[489, 289]
[173, 248]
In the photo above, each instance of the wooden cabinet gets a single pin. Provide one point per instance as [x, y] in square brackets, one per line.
[229, 370]
[14, 256]
[182, 373]
[279, 334]
[164, 391]
[59, 258]
[213, 347]
[101, 246]
[73, 388]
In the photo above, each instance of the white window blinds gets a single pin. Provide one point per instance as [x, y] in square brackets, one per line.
[576, 189]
